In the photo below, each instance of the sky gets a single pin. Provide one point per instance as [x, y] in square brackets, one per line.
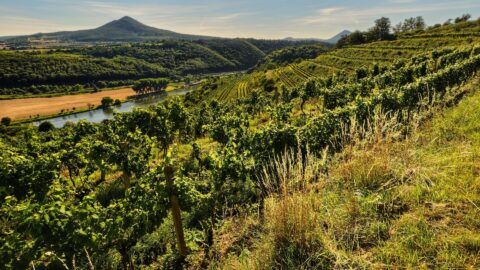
[227, 18]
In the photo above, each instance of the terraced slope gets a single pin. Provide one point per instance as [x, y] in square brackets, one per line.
[349, 59]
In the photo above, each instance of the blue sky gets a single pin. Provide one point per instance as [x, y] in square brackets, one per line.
[240, 18]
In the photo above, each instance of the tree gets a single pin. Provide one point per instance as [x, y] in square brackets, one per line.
[463, 18]
[6, 121]
[381, 30]
[420, 23]
[308, 91]
[354, 38]
[106, 102]
[397, 28]
[268, 85]
[45, 126]
[146, 86]
[410, 24]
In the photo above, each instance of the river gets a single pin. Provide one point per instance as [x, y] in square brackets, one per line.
[98, 115]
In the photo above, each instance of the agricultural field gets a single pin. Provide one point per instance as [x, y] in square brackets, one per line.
[349, 59]
[362, 156]
[18, 109]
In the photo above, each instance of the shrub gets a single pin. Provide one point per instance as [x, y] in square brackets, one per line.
[45, 126]
[107, 102]
[108, 192]
[6, 121]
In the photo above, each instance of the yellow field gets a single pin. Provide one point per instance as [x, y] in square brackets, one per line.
[24, 108]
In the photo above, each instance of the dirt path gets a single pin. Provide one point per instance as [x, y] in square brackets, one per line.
[26, 107]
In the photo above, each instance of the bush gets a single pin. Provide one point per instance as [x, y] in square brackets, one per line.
[108, 192]
[107, 102]
[6, 121]
[45, 126]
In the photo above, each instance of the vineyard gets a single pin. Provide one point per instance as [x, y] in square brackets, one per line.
[365, 157]
[351, 58]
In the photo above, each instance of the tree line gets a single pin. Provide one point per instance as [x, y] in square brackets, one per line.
[382, 30]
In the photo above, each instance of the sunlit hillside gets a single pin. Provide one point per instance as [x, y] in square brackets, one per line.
[131, 147]
[349, 59]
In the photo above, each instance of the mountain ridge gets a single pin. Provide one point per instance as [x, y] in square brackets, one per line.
[333, 40]
[124, 29]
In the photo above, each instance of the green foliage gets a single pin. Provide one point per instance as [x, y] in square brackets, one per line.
[71, 70]
[23, 175]
[291, 54]
[146, 86]
[228, 128]
[108, 192]
[45, 126]
[21, 69]
[106, 102]
[410, 24]
[6, 121]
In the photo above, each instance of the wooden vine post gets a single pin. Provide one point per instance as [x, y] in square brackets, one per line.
[175, 207]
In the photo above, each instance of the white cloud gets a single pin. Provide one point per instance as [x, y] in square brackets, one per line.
[330, 10]
[231, 17]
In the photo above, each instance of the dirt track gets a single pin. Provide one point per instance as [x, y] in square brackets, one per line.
[26, 107]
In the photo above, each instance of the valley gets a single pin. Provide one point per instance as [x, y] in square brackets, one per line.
[242, 153]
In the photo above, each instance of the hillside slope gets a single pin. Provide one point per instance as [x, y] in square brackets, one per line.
[383, 203]
[347, 60]
[335, 173]
[54, 70]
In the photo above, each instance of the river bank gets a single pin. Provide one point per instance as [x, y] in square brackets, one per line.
[28, 108]
[99, 114]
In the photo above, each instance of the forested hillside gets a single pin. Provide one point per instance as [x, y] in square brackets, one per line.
[51, 71]
[355, 163]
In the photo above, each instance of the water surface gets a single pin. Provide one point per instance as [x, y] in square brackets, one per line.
[98, 115]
